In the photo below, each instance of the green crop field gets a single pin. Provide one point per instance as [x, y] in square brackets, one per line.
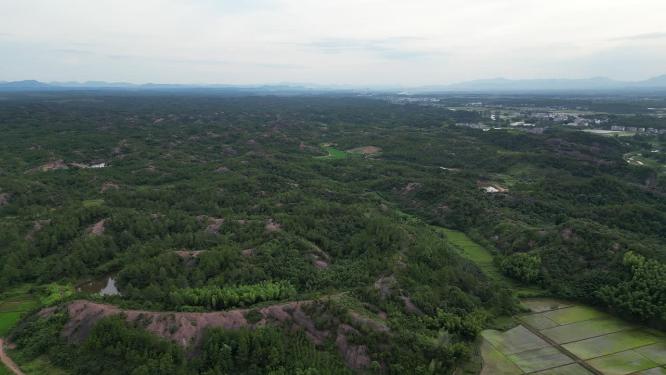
[483, 258]
[610, 344]
[474, 252]
[626, 362]
[540, 359]
[653, 371]
[572, 369]
[13, 304]
[583, 330]
[573, 314]
[656, 352]
[515, 340]
[495, 362]
[538, 321]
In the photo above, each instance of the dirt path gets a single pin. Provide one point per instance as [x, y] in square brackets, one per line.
[8, 361]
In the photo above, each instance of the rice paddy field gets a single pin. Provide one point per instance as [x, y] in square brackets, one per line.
[557, 337]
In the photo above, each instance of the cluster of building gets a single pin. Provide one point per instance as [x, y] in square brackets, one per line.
[633, 129]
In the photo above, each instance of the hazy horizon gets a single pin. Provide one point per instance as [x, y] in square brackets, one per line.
[362, 42]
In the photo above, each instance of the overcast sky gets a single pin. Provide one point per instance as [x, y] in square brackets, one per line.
[360, 42]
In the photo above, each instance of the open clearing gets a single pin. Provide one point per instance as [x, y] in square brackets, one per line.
[483, 258]
[334, 154]
[366, 150]
[474, 252]
[561, 338]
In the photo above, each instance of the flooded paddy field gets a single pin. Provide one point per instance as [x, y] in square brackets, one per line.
[557, 337]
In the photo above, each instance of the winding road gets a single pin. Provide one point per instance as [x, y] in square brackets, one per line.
[8, 361]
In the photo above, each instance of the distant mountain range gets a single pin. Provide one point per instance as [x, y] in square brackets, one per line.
[483, 85]
[588, 84]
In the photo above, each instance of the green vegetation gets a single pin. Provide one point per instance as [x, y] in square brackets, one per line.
[54, 293]
[265, 351]
[93, 203]
[644, 295]
[474, 252]
[14, 304]
[215, 202]
[334, 154]
[216, 298]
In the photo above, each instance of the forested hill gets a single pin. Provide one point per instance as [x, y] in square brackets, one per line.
[312, 223]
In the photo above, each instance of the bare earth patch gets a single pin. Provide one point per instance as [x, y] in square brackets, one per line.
[410, 307]
[52, 166]
[355, 356]
[320, 264]
[108, 186]
[4, 358]
[37, 225]
[189, 254]
[98, 228]
[385, 285]
[410, 187]
[187, 329]
[272, 226]
[366, 150]
[4, 199]
[213, 224]
[183, 328]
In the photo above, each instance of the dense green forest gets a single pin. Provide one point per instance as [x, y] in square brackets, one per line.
[200, 203]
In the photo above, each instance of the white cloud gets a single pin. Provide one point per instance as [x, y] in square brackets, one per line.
[342, 41]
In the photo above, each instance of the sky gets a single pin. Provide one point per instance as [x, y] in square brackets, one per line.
[330, 42]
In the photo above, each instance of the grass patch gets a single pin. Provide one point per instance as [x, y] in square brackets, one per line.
[483, 258]
[8, 320]
[622, 363]
[574, 314]
[93, 203]
[474, 252]
[610, 344]
[334, 153]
